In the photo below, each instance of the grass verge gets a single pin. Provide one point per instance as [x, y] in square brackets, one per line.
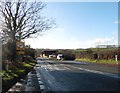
[109, 62]
[15, 73]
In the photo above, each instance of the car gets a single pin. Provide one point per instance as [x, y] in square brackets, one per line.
[59, 56]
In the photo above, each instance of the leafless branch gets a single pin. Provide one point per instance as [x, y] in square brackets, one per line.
[23, 17]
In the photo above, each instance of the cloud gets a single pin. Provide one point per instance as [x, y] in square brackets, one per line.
[73, 43]
[102, 41]
[52, 39]
[117, 21]
[59, 38]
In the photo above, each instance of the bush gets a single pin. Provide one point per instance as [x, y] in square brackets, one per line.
[68, 55]
[104, 54]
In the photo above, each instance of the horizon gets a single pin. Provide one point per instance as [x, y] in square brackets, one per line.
[98, 46]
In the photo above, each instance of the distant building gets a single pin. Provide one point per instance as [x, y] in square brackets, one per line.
[49, 53]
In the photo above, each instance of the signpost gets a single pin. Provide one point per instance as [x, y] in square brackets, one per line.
[20, 47]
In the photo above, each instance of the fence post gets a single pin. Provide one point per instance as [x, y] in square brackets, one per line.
[116, 58]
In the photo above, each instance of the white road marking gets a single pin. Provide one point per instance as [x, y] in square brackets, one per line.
[63, 65]
[54, 67]
[39, 78]
[56, 86]
[29, 80]
[16, 87]
[98, 72]
[18, 84]
[29, 74]
[40, 82]
[42, 87]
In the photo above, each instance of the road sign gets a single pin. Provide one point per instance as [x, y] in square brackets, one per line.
[20, 45]
[20, 52]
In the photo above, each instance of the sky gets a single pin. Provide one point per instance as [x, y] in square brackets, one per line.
[79, 25]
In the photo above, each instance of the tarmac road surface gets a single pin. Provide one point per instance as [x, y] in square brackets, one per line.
[71, 76]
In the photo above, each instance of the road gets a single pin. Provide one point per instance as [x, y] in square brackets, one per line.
[72, 76]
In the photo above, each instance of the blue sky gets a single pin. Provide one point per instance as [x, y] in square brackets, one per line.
[79, 25]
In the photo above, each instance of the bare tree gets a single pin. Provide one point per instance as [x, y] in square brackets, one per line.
[21, 19]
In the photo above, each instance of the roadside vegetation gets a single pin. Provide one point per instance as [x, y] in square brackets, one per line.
[20, 20]
[94, 55]
[109, 62]
[12, 72]
[99, 55]
[68, 54]
[15, 73]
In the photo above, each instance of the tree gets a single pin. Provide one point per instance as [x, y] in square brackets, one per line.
[30, 52]
[22, 19]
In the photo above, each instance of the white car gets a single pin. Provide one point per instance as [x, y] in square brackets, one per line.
[59, 56]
